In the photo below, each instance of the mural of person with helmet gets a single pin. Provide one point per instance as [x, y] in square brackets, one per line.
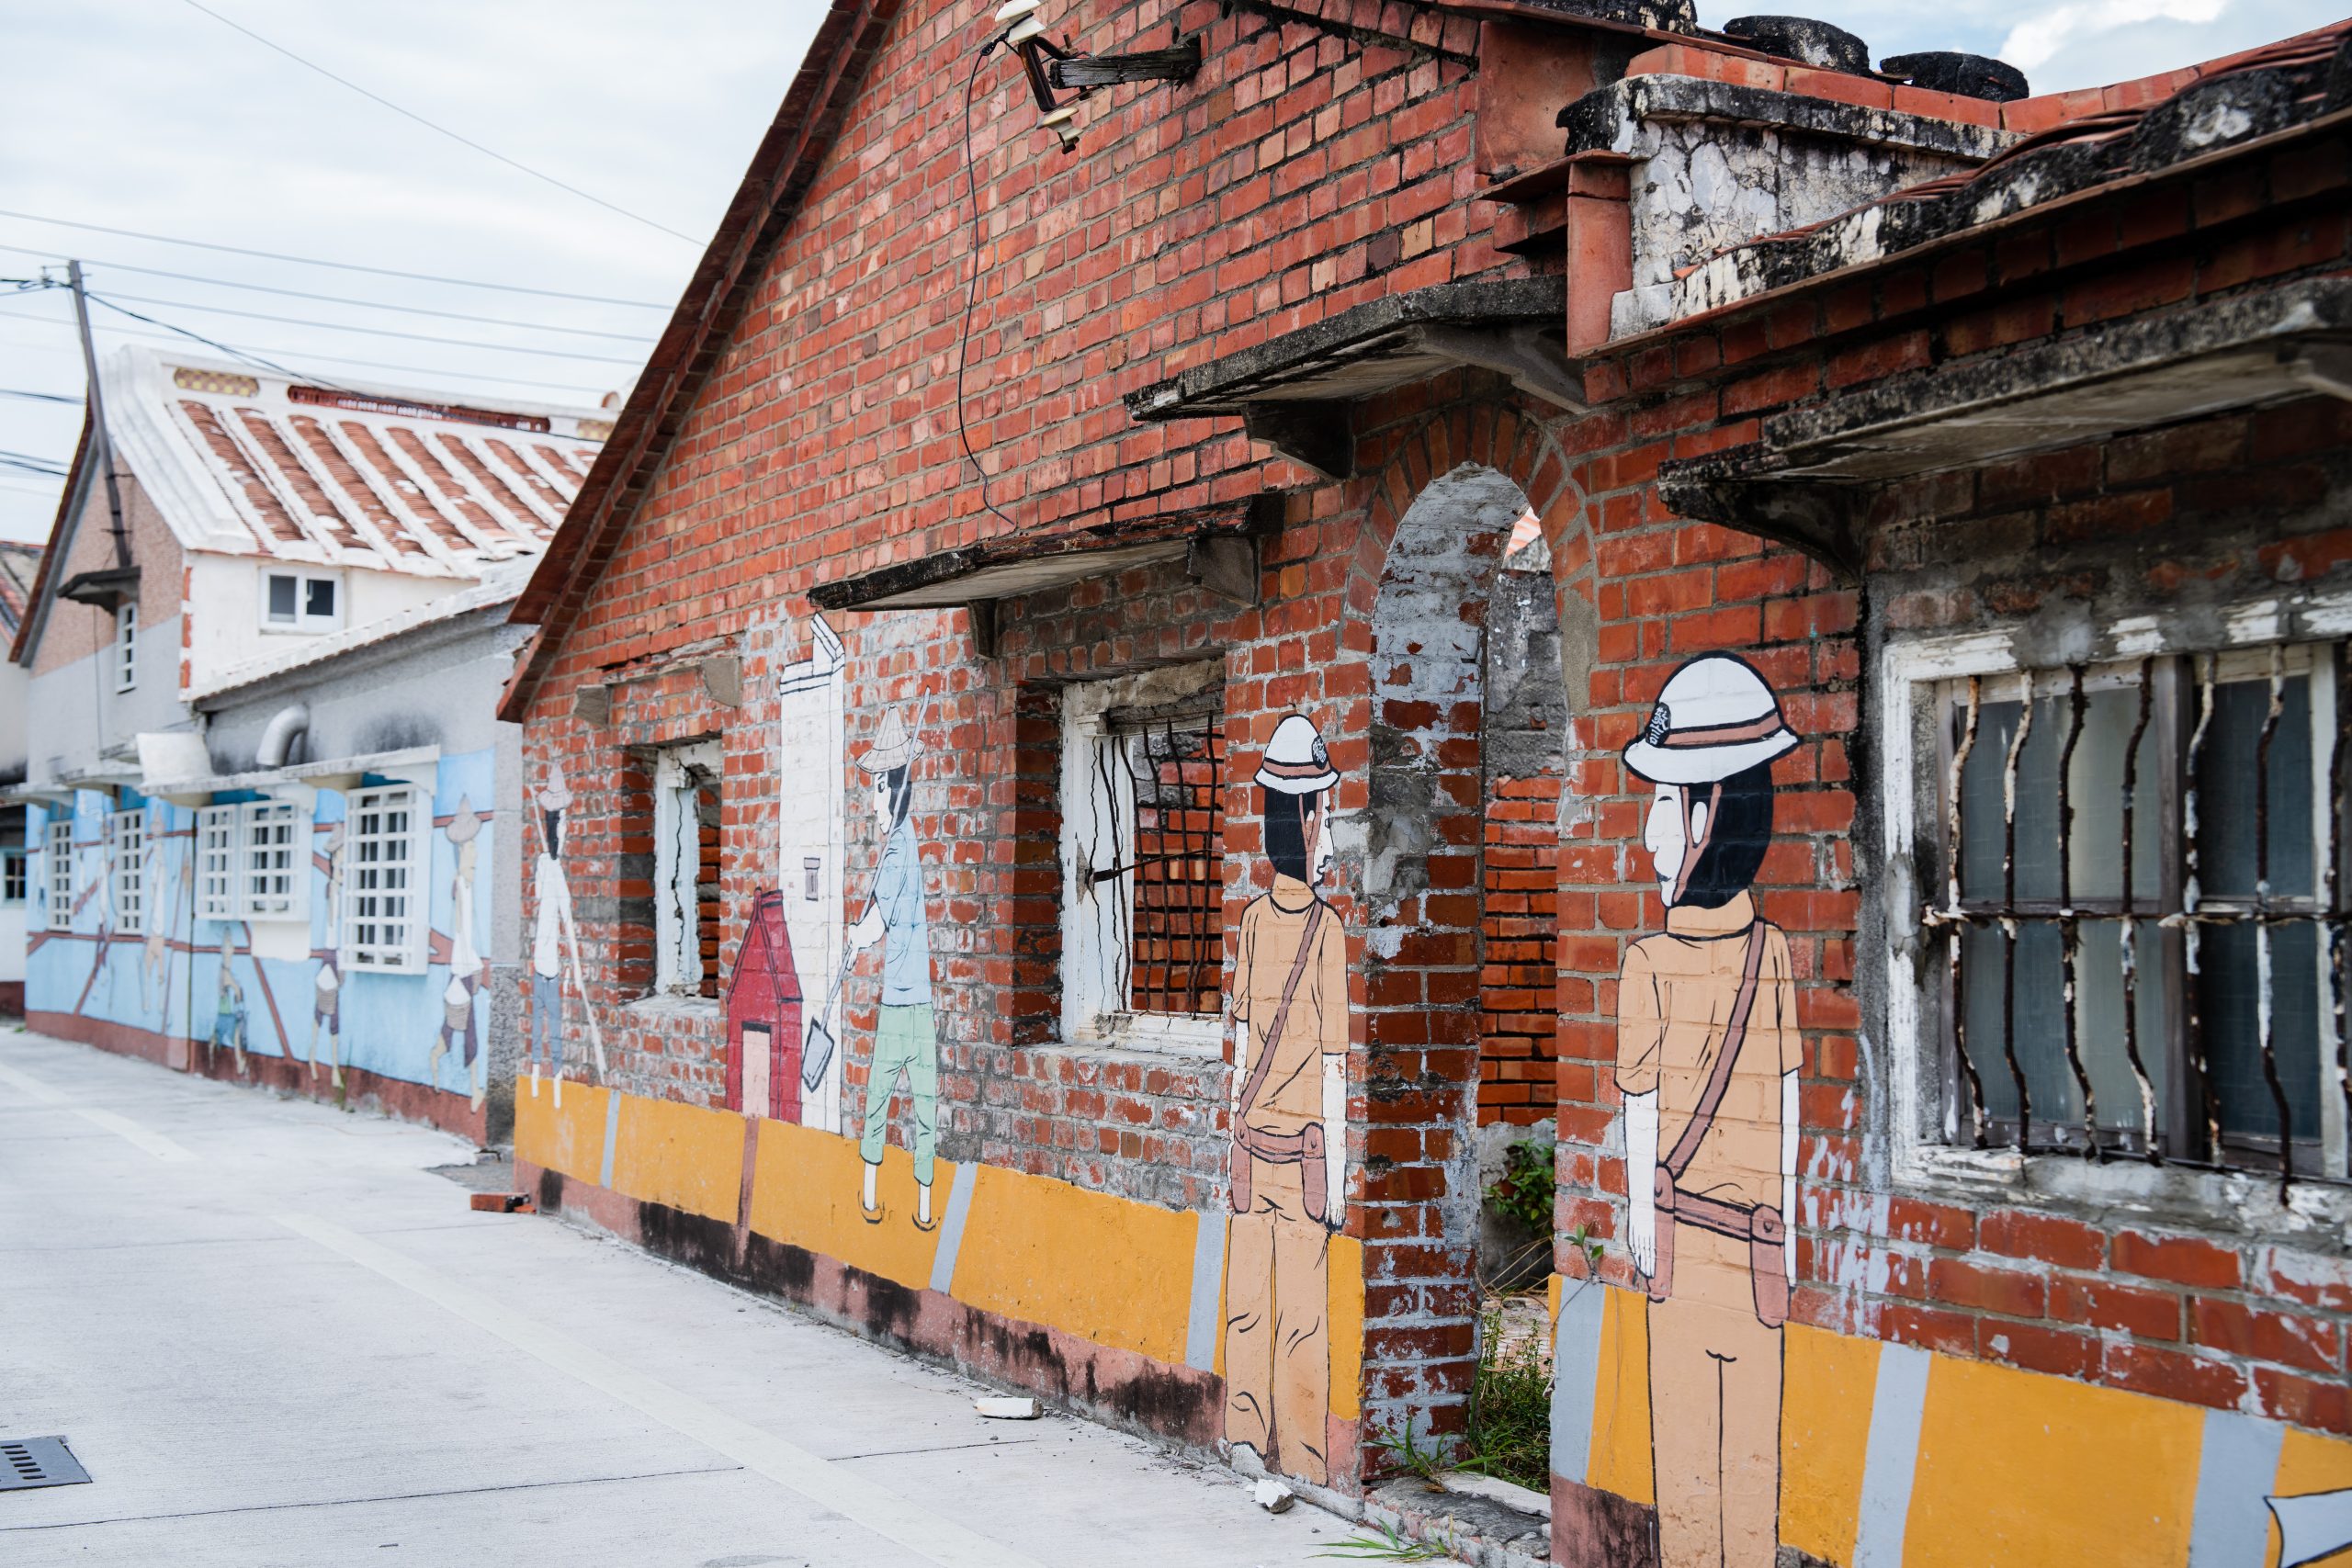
[1708, 1054]
[1289, 1045]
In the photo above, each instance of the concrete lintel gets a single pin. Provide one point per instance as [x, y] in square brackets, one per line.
[1607, 118]
[1316, 433]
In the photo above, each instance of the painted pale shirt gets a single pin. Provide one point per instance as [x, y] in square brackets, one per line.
[1674, 1000]
[905, 929]
[555, 913]
[1317, 1025]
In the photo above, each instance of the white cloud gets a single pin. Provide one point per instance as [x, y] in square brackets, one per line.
[2033, 42]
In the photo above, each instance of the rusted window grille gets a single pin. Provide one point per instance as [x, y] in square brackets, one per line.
[1168, 763]
[2143, 910]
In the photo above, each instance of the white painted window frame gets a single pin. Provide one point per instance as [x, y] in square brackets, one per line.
[58, 840]
[216, 863]
[386, 896]
[125, 647]
[1927, 1151]
[677, 862]
[126, 869]
[304, 622]
[273, 861]
[15, 865]
[1095, 975]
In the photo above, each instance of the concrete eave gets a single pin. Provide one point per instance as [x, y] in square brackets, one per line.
[338, 773]
[1801, 480]
[1294, 391]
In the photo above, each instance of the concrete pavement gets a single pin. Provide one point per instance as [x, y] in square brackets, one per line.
[275, 1337]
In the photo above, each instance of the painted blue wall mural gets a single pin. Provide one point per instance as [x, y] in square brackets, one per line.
[135, 953]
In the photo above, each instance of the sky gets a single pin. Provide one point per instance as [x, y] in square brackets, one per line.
[154, 116]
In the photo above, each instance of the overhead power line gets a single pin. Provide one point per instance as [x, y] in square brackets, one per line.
[432, 373]
[89, 265]
[374, 331]
[209, 343]
[39, 397]
[439, 129]
[315, 261]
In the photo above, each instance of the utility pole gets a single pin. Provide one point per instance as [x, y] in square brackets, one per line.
[101, 445]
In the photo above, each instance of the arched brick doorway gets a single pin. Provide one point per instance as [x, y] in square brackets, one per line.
[1468, 737]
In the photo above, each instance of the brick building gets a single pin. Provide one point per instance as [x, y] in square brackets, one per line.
[1942, 494]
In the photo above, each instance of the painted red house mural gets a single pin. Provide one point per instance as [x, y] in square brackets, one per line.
[763, 1017]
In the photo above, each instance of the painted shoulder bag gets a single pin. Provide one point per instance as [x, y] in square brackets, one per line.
[1304, 1147]
[1762, 1225]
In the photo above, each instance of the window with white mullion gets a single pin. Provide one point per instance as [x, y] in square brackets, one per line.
[273, 882]
[127, 866]
[216, 863]
[59, 871]
[384, 888]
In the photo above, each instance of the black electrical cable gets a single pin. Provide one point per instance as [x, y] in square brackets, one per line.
[254, 359]
[89, 265]
[379, 332]
[972, 293]
[440, 129]
[314, 260]
[39, 397]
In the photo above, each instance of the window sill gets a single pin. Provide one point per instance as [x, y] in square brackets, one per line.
[668, 1004]
[1128, 1053]
[2106, 1192]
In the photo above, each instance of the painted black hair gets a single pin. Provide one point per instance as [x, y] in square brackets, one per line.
[1736, 839]
[902, 789]
[1287, 817]
[553, 822]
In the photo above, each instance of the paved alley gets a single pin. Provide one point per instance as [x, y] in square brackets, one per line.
[275, 1336]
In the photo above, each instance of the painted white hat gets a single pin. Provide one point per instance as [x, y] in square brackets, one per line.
[554, 794]
[1716, 717]
[464, 826]
[1295, 761]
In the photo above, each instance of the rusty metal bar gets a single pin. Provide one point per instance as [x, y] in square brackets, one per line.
[2332, 892]
[2129, 936]
[1952, 906]
[2263, 1009]
[2009, 901]
[2192, 895]
[2069, 925]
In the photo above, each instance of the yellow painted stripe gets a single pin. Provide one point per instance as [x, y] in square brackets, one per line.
[686, 1156]
[2016, 1467]
[1828, 1383]
[807, 1191]
[1346, 1271]
[570, 1140]
[1105, 1269]
[1620, 1402]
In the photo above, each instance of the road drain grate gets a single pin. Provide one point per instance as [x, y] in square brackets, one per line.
[27, 1462]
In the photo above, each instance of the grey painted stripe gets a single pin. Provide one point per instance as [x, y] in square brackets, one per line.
[2239, 1464]
[1575, 1377]
[1892, 1458]
[1202, 1328]
[612, 1134]
[951, 1228]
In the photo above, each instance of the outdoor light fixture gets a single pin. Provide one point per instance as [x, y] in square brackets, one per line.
[1050, 67]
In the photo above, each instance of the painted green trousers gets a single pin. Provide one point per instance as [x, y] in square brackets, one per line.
[903, 1043]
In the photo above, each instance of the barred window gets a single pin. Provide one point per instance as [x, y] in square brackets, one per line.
[1144, 882]
[384, 891]
[274, 882]
[61, 874]
[127, 867]
[2144, 931]
[216, 863]
[13, 884]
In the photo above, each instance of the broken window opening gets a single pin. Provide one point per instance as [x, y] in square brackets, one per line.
[688, 855]
[1143, 832]
[2143, 910]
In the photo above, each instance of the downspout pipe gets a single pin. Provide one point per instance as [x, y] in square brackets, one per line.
[277, 740]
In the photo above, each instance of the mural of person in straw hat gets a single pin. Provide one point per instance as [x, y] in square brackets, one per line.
[553, 935]
[1289, 1047]
[1708, 1054]
[904, 1043]
[466, 964]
